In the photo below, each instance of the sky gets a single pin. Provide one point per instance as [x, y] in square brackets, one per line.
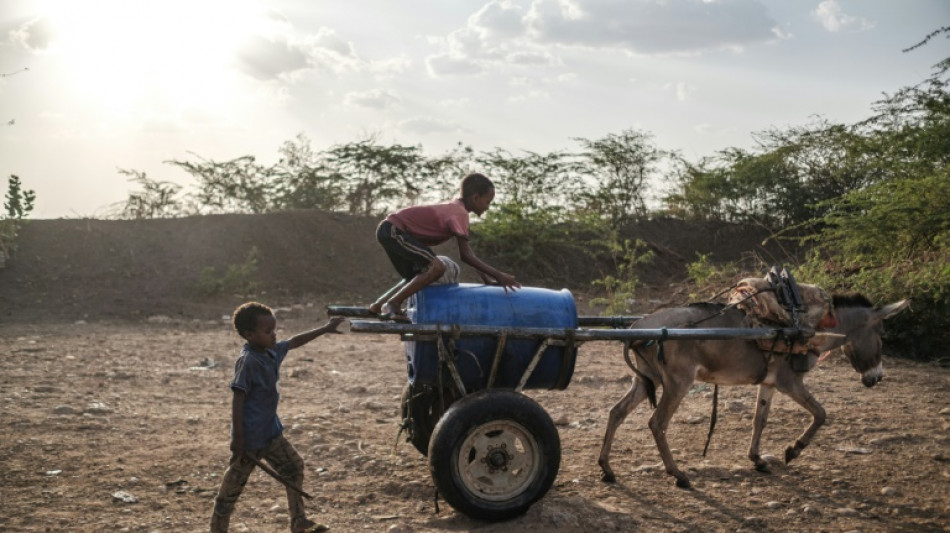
[91, 87]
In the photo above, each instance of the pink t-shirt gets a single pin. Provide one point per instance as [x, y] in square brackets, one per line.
[433, 224]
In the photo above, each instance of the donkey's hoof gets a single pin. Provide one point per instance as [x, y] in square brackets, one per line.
[762, 466]
[608, 477]
[791, 453]
[683, 483]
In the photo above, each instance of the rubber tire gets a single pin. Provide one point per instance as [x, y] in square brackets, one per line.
[425, 409]
[480, 410]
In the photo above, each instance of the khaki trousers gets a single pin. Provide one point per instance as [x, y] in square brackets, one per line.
[284, 459]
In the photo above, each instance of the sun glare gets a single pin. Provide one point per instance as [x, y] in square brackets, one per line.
[166, 56]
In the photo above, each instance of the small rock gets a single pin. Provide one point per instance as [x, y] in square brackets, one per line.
[53, 472]
[97, 408]
[774, 505]
[735, 406]
[846, 511]
[854, 451]
[63, 410]
[811, 509]
[299, 373]
[124, 497]
[888, 491]
[372, 405]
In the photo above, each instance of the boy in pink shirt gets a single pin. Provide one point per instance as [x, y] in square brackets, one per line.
[408, 234]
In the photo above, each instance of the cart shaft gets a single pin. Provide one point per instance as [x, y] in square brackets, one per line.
[581, 334]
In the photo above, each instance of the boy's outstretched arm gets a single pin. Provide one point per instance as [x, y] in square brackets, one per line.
[303, 338]
[484, 269]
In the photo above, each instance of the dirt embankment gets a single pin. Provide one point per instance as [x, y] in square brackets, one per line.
[88, 269]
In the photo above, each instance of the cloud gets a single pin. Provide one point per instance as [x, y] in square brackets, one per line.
[266, 59]
[503, 34]
[499, 19]
[531, 95]
[456, 102]
[37, 35]
[682, 90]
[830, 15]
[651, 26]
[375, 99]
[427, 125]
[281, 55]
[453, 64]
[387, 68]
[534, 58]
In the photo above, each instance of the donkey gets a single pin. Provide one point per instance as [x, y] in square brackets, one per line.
[739, 362]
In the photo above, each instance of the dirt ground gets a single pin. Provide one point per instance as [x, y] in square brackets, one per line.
[115, 405]
[123, 426]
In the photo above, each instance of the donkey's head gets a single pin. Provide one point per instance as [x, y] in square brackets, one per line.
[863, 326]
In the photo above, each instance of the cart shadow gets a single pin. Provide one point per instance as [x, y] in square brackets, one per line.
[554, 512]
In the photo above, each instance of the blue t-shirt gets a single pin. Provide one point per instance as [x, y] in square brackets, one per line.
[257, 375]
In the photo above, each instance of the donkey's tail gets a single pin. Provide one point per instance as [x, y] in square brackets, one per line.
[647, 382]
[712, 421]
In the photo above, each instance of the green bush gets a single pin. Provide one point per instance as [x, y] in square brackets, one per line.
[621, 288]
[240, 279]
[17, 205]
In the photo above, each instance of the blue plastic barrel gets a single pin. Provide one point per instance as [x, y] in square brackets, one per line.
[486, 305]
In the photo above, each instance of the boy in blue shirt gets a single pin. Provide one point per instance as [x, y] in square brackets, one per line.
[256, 430]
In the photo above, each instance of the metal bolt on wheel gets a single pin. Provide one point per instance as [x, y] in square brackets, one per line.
[498, 460]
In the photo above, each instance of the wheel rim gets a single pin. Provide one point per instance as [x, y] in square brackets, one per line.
[497, 461]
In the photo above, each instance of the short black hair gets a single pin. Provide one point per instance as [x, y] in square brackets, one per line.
[245, 316]
[476, 183]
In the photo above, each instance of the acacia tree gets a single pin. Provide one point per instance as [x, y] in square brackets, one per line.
[307, 182]
[155, 199]
[891, 240]
[619, 169]
[531, 182]
[239, 185]
[375, 176]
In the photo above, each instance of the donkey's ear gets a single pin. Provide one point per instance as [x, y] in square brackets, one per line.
[893, 309]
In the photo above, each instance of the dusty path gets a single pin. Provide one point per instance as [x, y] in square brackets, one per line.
[96, 413]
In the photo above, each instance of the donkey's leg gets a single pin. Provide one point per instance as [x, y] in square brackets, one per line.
[673, 394]
[796, 390]
[762, 405]
[619, 413]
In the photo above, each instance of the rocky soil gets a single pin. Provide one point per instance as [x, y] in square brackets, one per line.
[123, 426]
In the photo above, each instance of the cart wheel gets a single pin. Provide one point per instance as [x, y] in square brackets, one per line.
[422, 408]
[493, 454]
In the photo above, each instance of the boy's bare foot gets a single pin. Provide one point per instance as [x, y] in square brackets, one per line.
[305, 525]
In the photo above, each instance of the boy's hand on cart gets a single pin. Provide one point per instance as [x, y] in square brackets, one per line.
[332, 324]
[503, 280]
[508, 282]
